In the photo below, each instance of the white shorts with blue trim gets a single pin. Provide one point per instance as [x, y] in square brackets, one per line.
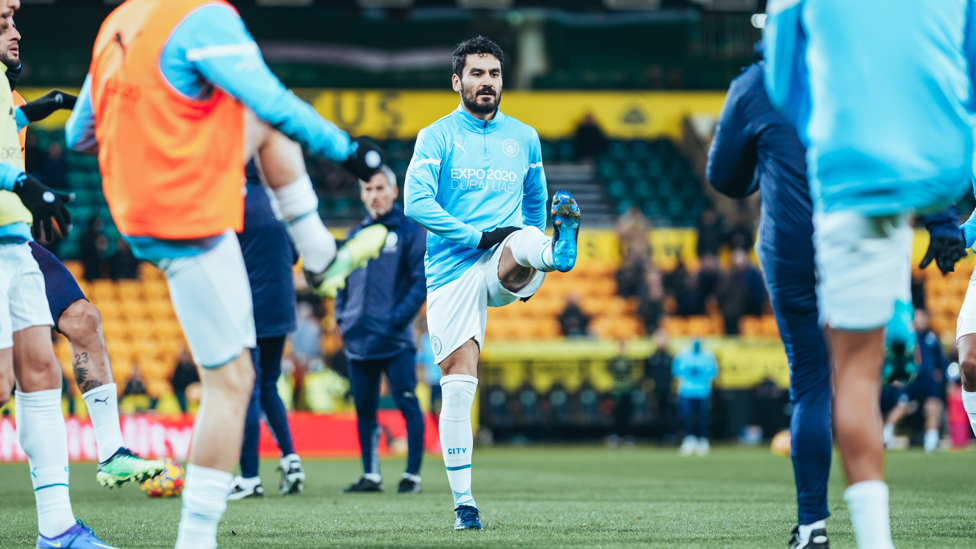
[212, 299]
[23, 300]
[864, 265]
[458, 310]
[966, 324]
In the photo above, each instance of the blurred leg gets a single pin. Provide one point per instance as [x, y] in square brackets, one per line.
[403, 383]
[364, 378]
[252, 424]
[275, 413]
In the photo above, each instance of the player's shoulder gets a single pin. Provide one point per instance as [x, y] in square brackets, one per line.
[515, 126]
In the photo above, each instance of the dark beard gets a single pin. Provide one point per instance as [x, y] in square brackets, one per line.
[471, 103]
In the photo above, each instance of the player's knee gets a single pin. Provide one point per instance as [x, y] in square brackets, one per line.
[406, 401]
[967, 370]
[80, 322]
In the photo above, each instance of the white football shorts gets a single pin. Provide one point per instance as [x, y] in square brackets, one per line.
[864, 265]
[458, 310]
[23, 300]
[211, 295]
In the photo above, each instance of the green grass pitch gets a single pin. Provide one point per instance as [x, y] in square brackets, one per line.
[544, 496]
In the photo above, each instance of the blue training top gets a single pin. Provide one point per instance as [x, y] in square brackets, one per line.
[756, 148]
[695, 371]
[468, 176]
[210, 49]
[881, 92]
[269, 256]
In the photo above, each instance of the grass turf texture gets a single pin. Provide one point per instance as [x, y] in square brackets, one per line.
[547, 496]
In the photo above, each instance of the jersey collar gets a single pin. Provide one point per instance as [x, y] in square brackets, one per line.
[471, 123]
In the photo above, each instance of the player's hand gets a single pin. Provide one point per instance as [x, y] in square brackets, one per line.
[44, 106]
[490, 238]
[946, 251]
[365, 160]
[47, 207]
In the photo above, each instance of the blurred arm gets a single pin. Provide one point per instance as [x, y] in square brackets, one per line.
[213, 43]
[79, 132]
[732, 157]
[420, 191]
[784, 46]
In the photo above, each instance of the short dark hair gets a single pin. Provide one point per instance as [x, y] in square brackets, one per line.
[477, 45]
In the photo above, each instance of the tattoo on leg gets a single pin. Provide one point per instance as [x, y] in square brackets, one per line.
[81, 378]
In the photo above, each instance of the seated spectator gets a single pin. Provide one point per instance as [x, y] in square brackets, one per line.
[630, 275]
[124, 264]
[742, 234]
[93, 246]
[711, 233]
[590, 140]
[55, 169]
[651, 304]
[184, 375]
[708, 275]
[690, 299]
[573, 321]
[740, 292]
[632, 232]
[135, 386]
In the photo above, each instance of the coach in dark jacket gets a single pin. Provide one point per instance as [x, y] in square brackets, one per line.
[374, 312]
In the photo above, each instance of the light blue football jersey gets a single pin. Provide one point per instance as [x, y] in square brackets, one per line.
[469, 176]
[881, 92]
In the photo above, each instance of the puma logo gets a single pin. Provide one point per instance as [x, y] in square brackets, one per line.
[103, 401]
[460, 146]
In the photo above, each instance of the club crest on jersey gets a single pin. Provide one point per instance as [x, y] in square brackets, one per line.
[391, 242]
[435, 344]
[510, 147]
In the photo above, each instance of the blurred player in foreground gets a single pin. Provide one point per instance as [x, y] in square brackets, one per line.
[375, 313]
[76, 318]
[869, 172]
[26, 354]
[268, 257]
[755, 144]
[477, 184]
[177, 100]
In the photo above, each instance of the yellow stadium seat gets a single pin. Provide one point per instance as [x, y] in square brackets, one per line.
[155, 289]
[129, 289]
[103, 290]
[76, 269]
[148, 271]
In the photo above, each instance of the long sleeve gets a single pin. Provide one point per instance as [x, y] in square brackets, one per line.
[732, 157]
[9, 177]
[784, 46]
[213, 43]
[943, 223]
[406, 309]
[535, 192]
[420, 192]
[79, 132]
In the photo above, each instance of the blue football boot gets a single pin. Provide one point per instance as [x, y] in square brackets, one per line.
[468, 518]
[78, 536]
[565, 230]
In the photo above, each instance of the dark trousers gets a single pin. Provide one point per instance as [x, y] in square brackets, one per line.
[622, 411]
[695, 415]
[364, 376]
[806, 349]
[267, 367]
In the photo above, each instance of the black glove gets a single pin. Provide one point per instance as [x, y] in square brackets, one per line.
[44, 106]
[46, 206]
[366, 161]
[494, 236]
[946, 251]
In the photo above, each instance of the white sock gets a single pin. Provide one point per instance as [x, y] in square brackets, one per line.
[931, 440]
[375, 477]
[805, 529]
[44, 438]
[969, 403]
[248, 482]
[532, 248]
[457, 440]
[887, 434]
[286, 461]
[103, 409]
[415, 478]
[868, 504]
[298, 205]
[204, 502]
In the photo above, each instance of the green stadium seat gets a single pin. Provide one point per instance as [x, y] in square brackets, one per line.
[618, 150]
[607, 169]
[617, 189]
[633, 169]
[548, 151]
[643, 189]
[640, 149]
[567, 150]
